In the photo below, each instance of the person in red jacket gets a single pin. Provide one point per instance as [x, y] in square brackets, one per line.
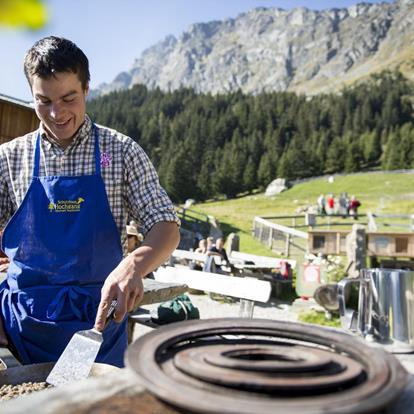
[330, 202]
[353, 207]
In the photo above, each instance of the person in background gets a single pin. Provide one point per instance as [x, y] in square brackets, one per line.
[210, 243]
[218, 249]
[330, 204]
[134, 238]
[66, 191]
[354, 204]
[321, 205]
[343, 205]
[202, 248]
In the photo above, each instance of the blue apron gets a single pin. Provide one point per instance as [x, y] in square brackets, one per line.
[62, 243]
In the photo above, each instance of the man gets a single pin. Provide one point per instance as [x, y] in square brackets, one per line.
[134, 238]
[219, 250]
[68, 189]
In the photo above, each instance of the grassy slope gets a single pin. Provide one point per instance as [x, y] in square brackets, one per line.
[378, 193]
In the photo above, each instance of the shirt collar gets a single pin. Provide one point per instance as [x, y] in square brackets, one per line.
[83, 134]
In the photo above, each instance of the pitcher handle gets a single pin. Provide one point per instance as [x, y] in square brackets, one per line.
[348, 316]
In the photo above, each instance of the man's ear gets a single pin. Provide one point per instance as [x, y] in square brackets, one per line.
[86, 90]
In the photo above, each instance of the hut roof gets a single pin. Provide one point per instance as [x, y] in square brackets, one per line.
[15, 101]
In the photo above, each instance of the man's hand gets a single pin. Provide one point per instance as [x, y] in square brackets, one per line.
[124, 285]
[125, 282]
[3, 337]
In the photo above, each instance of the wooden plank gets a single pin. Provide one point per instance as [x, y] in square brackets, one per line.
[264, 261]
[71, 397]
[200, 257]
[157, 292]
[403, 216]
[238, 287]
[154, 291]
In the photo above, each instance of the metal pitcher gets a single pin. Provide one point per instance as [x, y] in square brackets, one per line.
[385, 307]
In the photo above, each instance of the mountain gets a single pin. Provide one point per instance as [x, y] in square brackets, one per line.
[271, 49]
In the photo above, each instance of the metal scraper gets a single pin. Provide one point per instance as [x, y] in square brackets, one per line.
[77, 359]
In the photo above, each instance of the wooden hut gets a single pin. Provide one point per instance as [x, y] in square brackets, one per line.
[16, 118]
[379, 244]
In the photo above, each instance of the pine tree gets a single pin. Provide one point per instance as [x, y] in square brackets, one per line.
[371, 146]
[335, 157]
[353, 158]
[250, 176]
[266, 171]
[179, 181]
[392, 156]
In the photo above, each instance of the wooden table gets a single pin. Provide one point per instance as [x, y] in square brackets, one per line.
[155, 292]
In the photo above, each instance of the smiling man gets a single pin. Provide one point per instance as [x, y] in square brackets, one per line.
[60, 105]
[66, 192]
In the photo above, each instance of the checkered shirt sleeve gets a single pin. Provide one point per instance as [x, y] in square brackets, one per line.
[146, 200]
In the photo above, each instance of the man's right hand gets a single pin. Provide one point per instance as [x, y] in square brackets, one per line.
[3, 337]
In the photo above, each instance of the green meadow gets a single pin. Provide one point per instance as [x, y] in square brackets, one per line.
[378, 192]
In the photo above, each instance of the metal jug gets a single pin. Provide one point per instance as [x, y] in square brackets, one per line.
[385, 307]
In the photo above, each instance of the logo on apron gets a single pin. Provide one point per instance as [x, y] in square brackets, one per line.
[66, 206]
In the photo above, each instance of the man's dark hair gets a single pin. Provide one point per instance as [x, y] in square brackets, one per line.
[52, 55]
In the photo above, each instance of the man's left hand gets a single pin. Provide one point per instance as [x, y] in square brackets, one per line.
[125, 282]
[123, 285]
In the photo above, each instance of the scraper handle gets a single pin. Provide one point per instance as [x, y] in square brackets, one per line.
[111, 312]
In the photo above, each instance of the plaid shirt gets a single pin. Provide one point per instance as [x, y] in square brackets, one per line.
[130, 179]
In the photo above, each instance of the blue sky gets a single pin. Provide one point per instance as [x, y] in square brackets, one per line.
[113, 33]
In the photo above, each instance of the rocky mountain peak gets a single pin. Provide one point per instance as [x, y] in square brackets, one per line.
[271, 49]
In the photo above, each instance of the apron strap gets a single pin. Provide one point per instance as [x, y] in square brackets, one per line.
[97, 151]
[36, 157]
[36, 162]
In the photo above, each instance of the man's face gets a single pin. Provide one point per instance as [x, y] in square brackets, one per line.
[60, 103]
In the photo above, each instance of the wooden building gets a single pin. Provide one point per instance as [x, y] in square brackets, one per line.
[379, 244]
[16, 118]
[327, 241]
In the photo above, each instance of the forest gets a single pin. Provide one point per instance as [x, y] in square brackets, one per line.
[205, 145]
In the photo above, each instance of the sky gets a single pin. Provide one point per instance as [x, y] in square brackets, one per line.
[113, 33]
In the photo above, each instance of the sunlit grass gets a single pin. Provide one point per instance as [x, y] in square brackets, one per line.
[319, 318]
[388, 193]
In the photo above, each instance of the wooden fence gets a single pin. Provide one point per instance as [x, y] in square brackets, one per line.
[387, 235]
[283, 240]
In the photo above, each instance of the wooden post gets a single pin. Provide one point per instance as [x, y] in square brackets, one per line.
[287, 245]
[246, 308]
[338, 243]
[233, 243]
[356, 250]
[270, 240]
[260, 232]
